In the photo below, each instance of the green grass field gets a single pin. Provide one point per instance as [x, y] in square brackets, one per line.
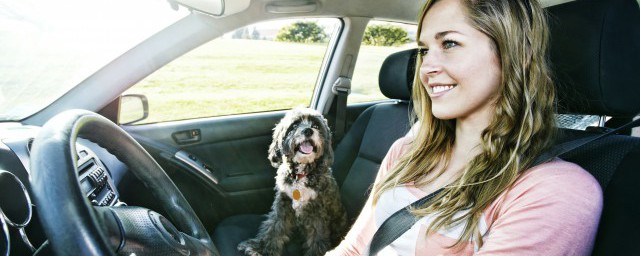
[231, 76]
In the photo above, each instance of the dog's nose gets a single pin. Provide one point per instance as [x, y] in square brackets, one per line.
[307, 132]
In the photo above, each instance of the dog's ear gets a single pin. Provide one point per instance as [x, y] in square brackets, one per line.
[275, 149]
[328, 150]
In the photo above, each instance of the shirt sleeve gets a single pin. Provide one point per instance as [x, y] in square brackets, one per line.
[553, 209]
[357, 240]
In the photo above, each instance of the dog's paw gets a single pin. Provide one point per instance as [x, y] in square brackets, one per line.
[250, 247]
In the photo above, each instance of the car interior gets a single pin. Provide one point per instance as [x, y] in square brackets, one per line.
[580, 67]
[223, 179]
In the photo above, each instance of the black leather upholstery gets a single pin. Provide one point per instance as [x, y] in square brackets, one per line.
[359, 154]
[402, 65]
[363, 149]
[595, 54]
[235, 229]
[595, 49]
[357, 157]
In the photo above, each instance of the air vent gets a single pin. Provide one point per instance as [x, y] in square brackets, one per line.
[87, 166]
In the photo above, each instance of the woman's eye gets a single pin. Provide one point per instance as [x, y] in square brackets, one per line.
[423, 51]
[449, 44]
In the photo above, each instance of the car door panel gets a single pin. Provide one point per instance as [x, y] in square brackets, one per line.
[237, 178]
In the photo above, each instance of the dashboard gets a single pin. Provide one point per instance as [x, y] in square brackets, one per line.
[99, 173]
[95, 181]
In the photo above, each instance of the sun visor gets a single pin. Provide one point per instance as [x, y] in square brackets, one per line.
[216, 8]
[295, 6]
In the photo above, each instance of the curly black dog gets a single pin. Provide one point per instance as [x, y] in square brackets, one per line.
[307, 198]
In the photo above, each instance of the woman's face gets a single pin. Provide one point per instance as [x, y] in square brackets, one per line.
[461, 70]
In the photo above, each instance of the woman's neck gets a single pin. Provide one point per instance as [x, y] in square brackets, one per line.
[469, 137]
[466, 146]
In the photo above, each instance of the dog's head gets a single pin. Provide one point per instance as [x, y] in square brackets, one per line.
[301, 137]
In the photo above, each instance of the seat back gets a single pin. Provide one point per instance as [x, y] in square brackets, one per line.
[359, 154]
[595, 49]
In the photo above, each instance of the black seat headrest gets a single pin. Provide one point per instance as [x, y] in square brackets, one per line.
[396, 74]
[595, 56]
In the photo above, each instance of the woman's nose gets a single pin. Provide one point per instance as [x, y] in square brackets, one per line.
[431, 64]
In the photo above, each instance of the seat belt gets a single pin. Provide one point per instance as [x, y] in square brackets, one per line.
[341, 88]
[402, 220]
[568, 146]
[397, 224]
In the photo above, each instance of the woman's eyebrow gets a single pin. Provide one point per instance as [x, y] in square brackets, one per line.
[440, 35]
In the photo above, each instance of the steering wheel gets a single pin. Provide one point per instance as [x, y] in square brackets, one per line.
[75, 227]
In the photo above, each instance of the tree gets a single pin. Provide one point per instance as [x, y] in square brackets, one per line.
[238, 33]
[302, 32]
[385, 35]
[255, 35]
[246, 33]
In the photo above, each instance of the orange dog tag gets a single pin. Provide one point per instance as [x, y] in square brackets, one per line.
[296, 195]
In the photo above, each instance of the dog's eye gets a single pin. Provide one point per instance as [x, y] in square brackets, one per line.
[315, 126]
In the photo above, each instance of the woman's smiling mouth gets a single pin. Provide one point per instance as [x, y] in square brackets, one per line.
[440, 88]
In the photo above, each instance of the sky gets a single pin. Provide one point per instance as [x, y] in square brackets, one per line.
[47, 47]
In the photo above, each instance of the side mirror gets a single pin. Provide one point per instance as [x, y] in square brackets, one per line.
[133, 108]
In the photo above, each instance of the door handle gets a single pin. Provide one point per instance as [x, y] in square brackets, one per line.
[186, 137]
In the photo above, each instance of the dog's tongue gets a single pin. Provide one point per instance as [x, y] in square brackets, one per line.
[306, 148]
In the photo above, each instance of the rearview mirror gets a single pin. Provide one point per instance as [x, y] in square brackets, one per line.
[133, 108]
[215, 7]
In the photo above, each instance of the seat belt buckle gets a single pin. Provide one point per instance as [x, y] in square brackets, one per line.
[341, 85]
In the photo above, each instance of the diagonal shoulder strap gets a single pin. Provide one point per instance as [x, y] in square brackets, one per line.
[397, 224]
[402, 220]
[342, 89]
[571, 145]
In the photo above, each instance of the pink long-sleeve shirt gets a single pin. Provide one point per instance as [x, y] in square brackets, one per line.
[552, 209]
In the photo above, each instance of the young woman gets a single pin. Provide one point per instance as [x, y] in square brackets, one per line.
[483, 102]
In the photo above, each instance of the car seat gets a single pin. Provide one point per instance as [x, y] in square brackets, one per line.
[595, 49]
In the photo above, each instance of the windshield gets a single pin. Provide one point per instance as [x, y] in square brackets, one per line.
[48, 47]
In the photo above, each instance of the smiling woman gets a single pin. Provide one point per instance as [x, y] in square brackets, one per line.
[34, 42]
[468, 162]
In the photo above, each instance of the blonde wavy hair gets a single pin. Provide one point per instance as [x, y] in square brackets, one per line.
[522, 127]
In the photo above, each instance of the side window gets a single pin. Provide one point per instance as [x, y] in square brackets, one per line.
[262, 67]
[380, 40]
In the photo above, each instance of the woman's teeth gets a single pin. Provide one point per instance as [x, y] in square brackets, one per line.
[442, 88]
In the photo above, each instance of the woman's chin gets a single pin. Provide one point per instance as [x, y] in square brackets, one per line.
[443, 114]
